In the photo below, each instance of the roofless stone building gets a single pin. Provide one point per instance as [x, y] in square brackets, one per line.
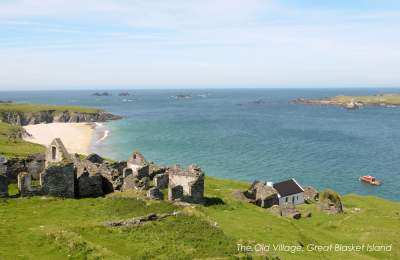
[70, 176]
[186, 184]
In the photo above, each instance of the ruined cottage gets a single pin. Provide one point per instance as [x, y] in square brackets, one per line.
[58, 177]
[136, 175]
[186, 184]
[68, 176]
[137, 166]
[262, 194]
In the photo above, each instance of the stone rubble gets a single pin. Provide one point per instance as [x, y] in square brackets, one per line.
[140, 220]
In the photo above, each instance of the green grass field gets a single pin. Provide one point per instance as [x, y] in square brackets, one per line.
[50, 228]
[10, 146]
[32, 108]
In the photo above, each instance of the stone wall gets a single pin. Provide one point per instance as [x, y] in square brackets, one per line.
[191, 180]
[3, 178]
[90, 185]
[3, 165]
[56, 152]
[161, 180]
[59, 180]
[33, 164]
[25, 185]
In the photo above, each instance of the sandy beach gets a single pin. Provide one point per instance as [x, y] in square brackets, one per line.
[77, 137]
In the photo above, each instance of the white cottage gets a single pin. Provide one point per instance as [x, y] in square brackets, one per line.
[289, 191]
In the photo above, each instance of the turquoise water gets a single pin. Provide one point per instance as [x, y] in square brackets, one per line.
[231, 136]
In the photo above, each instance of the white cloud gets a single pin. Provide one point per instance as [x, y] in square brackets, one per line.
[236, 42]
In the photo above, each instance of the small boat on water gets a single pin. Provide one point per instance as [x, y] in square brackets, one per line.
[370, 180]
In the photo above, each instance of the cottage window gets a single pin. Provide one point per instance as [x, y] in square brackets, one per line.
[287, 199]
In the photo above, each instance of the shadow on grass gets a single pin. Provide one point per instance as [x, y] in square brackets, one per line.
[213, 201]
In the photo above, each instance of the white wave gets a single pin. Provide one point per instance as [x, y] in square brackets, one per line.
[105, 135]
[98, 124]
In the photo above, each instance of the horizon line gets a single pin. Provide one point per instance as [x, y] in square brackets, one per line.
[104, 88]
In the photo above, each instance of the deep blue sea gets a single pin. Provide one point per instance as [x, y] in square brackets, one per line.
[231, 136]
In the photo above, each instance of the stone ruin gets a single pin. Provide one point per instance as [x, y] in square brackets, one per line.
[33, 164]
[310, 195]
[56, 152]
[183, 185]
[96, 176]
[186, 185]
[3, 178]
[137, 173]
[58, 177]
[71, 175]
[58, 180]
[262, 194]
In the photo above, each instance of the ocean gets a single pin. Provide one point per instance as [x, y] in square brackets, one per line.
[250, 134]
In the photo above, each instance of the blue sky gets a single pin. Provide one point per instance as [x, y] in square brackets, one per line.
[52, 44]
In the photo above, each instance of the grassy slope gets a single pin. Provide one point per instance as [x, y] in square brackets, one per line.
[54, 229]
[15, 147]
[40, 107]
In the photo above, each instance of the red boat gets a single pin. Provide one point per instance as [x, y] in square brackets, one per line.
[370, 180]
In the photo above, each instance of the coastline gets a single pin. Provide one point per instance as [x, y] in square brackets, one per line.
[77, 137]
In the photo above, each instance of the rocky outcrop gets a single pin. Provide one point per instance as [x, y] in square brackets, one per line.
[51, 116]
[140, 220]
[330, 202]
[310, 194]
[286, 210]
[102, 94]
[353, 102]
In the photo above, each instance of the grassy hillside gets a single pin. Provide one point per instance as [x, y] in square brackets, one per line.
[50, 228]
[40, 107]
[12, 146]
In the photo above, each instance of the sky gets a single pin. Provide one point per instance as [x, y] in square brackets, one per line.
[79, 44]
